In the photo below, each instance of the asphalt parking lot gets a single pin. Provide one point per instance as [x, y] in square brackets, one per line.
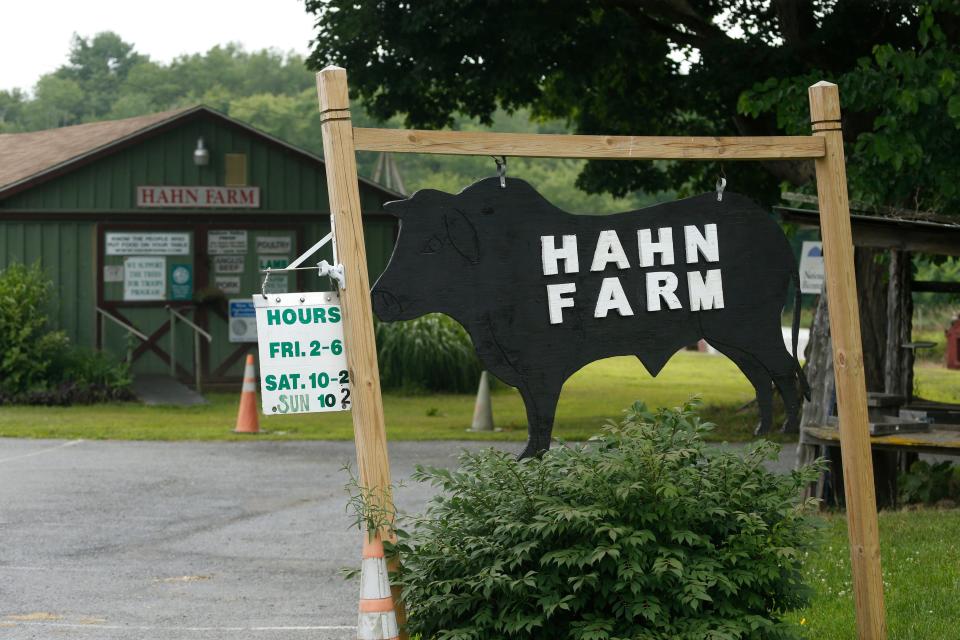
[110, 540]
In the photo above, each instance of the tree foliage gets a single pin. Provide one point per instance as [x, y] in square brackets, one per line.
[907, 101]
[671, 67]
[106, 78]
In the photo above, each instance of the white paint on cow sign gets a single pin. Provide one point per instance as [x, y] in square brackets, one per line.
[811, 267]
[227, 284]
[146, 244]
[274, 244]
[229, 263]
[145, 278]
[243, 320]
[303, 364]
[222, 242]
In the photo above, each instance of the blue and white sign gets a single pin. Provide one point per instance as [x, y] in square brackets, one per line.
[243, 320]
[811, 267]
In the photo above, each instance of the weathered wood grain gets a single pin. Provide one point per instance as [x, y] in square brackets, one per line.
[483, 143]
[848, 367]
[369, 427]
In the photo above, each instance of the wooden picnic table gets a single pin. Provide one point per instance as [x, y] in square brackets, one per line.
[940, 439]
[892, 454]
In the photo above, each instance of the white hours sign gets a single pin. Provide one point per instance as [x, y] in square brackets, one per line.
[303, 367]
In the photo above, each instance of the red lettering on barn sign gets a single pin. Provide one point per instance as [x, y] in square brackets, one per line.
[198, 197]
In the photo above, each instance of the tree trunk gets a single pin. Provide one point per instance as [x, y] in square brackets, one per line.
[898, 365]
[872, 296]
[818, 367]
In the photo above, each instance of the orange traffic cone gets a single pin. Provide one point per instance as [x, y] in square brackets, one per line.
[377, 620]
[248, 420]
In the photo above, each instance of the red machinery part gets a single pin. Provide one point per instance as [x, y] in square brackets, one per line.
[953, 345]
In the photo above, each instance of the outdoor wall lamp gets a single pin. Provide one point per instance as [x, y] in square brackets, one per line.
[201, 157]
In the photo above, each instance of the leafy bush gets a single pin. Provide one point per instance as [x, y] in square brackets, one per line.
[642, 533]
[929, 483]
[28, 348]
[431, 353]
[37, 364]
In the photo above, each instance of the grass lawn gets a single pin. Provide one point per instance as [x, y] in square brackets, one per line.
[921, 577]
[597, 392]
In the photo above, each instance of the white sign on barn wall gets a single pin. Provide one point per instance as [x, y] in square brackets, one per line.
[811, 267]
[145, 278]
[227, 284]
[274, 244]
[277, 284]
[228, 264]
[113, 273]
[222, 242]
[146, 244]
[303, 365]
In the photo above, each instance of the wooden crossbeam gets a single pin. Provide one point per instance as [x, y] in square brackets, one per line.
[532, 145]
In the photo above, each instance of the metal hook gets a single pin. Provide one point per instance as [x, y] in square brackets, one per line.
[721, 185]
[501, 170]
[263, 287]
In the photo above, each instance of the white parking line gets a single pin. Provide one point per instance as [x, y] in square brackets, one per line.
[39, 451]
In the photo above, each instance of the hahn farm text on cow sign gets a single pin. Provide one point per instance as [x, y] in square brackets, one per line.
[543, 292]
[705, 289]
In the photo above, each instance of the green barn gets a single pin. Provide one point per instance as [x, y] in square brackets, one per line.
[152, 226]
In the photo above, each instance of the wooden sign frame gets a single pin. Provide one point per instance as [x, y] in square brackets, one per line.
[341, 141]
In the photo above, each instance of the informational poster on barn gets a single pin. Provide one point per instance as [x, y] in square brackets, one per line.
[811, 267]
[303, 365]
[146, 244]
[226, 242]
[274, 244]
[181, 281]
[243, 320]
[227, 284]
[228, 263]
[145, 278]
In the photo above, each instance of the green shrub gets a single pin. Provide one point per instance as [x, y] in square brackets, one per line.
[28, 348]
[38, 365]
[927, 483]
[431, 353]
[642, 533]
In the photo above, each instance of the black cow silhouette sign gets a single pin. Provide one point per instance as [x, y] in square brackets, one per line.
[543, 292]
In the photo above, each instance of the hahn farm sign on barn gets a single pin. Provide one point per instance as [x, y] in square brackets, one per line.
[303, 366]
[198, 197]
[543, 292]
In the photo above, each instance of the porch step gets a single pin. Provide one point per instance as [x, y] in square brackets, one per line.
[160, 389]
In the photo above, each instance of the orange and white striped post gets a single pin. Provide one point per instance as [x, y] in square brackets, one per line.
[377, 620]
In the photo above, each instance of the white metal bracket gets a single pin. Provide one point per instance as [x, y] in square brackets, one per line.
[334, 272]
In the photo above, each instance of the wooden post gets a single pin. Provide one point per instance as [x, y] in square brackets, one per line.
[848, 364]
[369, 430]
